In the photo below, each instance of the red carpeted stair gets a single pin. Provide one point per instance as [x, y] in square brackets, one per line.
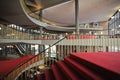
[8, 65]
[82, 70]
[77, 66]
[41, 76]
[49, 74]
[58, 73]
[69, 72]
[105, 64]
[86, 66]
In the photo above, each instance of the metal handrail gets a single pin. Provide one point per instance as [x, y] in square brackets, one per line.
[32, 58]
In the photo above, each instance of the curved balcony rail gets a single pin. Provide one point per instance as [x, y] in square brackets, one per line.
[37, 19]
[20, 33]
[18, 69]
[72, 43]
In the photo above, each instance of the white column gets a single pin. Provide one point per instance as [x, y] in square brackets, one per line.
[77, 16]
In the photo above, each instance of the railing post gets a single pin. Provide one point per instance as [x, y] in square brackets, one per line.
[40, 14]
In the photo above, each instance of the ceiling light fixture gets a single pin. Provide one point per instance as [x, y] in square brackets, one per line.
[112, 29]
[119, 10]
[119, 25]
[38, 7]
[0, 48]
[54, 24]
[101, 32]
[118, 31]
[112, 17]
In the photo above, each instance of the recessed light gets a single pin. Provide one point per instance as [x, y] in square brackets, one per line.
[0, 48]
[119, 10]
[112, 17]
[112, 29]
[101, 32]
[119, 25]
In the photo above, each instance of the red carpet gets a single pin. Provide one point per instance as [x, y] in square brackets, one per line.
[86, 66]
[110, 61]
[8, 65]
[77, 66]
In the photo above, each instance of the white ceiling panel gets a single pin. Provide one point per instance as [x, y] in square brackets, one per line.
[89, 11]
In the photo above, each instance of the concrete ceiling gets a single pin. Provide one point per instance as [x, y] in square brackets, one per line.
[11, 12]
[90, 11]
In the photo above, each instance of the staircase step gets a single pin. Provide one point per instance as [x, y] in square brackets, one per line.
[71, 75]
[84, 67]
[49, 74]
[103, 63]
[57, 73]
[41, 77]
[86, 73]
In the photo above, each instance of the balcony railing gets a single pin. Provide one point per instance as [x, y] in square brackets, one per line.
[20, 33]
[73, 43]
[35, 60]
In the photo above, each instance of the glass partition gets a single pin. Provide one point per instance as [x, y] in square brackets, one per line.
[114, 24]
[13, 31]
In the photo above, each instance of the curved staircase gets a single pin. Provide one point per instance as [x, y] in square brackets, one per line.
[77, 66]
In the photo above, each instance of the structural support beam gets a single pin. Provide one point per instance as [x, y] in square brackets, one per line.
[77, 17]
[40, 15]
[41, 32]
